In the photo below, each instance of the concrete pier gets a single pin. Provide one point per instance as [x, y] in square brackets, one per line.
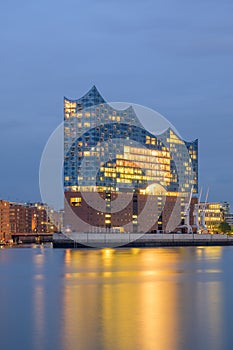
[101, 240]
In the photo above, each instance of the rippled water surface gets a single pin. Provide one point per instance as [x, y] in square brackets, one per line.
[162, 298]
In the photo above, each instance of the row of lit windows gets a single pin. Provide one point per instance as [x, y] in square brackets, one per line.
[146, 151]
[139, 164]
[148, 159]
[71, 113]
[116, 189]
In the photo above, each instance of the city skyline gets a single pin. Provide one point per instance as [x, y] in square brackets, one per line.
[186, 76]
[9, 197]
[116, 206]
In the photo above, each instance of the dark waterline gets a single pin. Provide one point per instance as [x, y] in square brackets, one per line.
[160, 298]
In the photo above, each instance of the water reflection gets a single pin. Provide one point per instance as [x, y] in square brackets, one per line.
[164, 298]
[38, 299]
[141, 299]
[209, 252]
[39, 317]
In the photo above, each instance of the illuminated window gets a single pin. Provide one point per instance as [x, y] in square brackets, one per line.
[75, 201]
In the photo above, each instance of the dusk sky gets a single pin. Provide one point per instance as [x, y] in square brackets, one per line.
[172, 56]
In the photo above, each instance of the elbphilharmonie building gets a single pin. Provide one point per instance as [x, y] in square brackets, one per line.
[120, 176]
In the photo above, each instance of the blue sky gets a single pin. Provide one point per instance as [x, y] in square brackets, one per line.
[173, 56]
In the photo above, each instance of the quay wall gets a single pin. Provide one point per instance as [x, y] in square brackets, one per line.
[101, 240]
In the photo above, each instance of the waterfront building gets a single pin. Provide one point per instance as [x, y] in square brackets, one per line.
[229, 219]
[213, 215]
[225, 208]
[30, 218]
[109, 152]
[20, 218]
[41, 222]
[4, 220]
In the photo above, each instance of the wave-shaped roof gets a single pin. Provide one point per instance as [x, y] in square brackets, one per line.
[91, 98]
[94, 98]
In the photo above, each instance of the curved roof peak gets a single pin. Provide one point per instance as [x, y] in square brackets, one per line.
[175, 132]
[93, 89]
[93, 95]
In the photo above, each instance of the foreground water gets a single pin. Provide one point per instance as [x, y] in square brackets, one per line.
[162, 298]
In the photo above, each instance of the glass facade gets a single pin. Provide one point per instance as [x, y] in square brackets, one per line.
[109, 150]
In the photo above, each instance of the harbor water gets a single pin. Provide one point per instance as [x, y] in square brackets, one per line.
[173, 298]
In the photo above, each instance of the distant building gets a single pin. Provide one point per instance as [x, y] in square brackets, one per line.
[41, 220]
[55, 219]
[131, 162]
[21, 218]
[213, 215]
[225, 208]
[4, 221]
[229, 219]
[30, 218]
[226, 213]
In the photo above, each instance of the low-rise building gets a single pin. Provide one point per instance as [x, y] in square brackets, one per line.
[225, 207]
[162, 214]
[229, 219]
[4, 221]
[213, 215]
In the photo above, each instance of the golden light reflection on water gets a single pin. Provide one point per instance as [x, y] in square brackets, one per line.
[211, 310]
[39, 258]
[39, 300]
[209, 252]
[39, 316]
[137, 298]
